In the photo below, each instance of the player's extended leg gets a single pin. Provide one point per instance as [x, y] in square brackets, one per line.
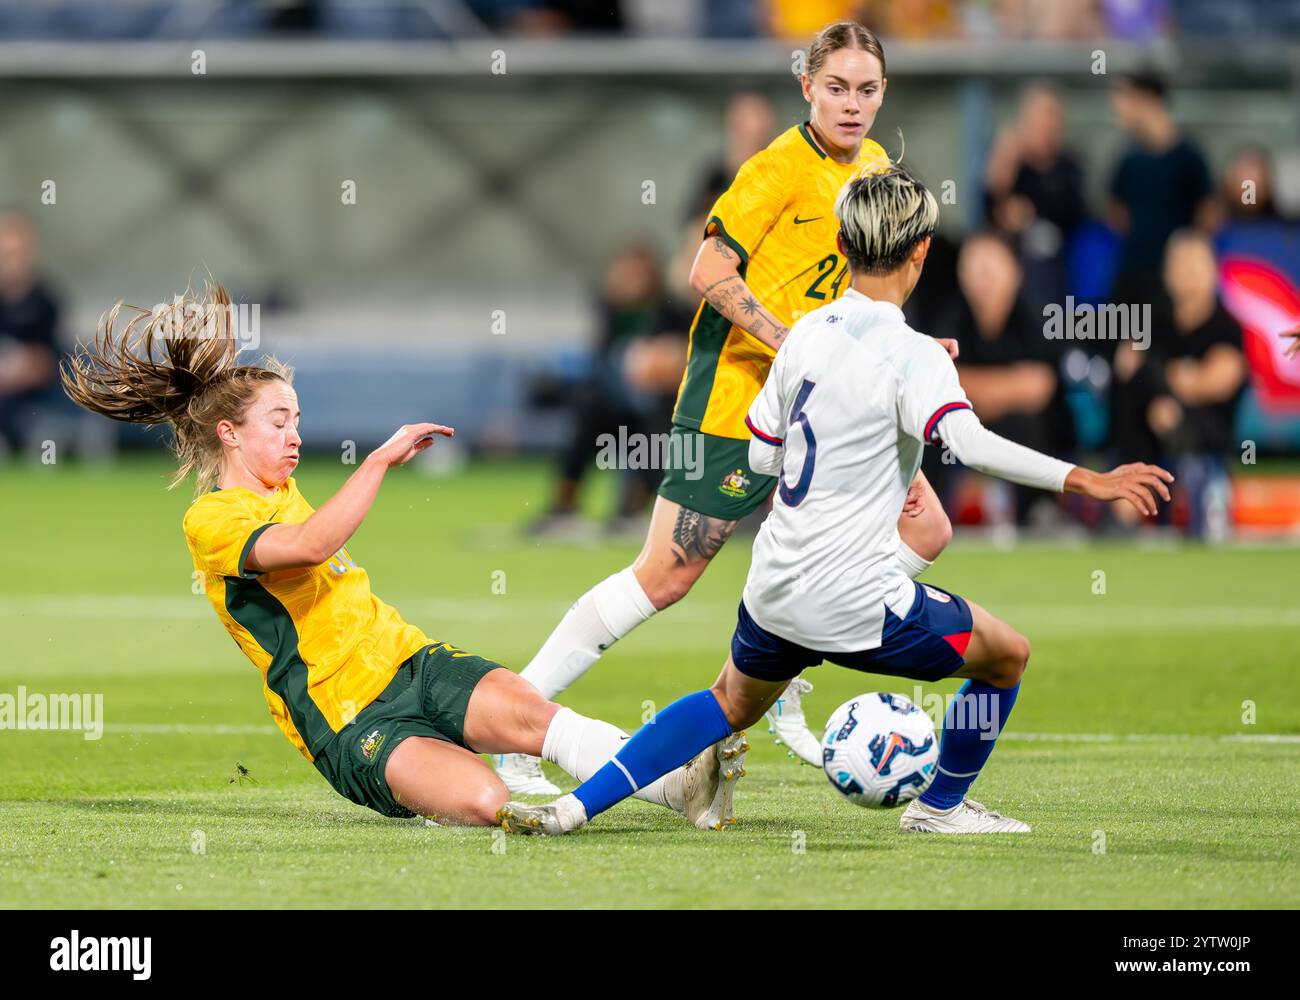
[506, 714]
[924, 531]
[995, 660]
[678, 548]
[444, 782]
[684, 731]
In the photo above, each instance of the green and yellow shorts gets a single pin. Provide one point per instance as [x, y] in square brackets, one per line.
[711, 475]
[428, 696]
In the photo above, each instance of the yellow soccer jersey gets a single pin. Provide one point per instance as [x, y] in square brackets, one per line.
[326, 646]
[779, 216]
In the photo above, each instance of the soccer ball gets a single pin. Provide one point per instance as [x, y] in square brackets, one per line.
[879, 750]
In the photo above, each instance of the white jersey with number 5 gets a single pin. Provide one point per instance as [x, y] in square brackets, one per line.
[853, 396]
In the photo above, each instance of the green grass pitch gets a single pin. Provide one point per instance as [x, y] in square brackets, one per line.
[1129, 751]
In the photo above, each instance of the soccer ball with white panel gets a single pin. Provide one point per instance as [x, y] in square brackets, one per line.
[879, 750]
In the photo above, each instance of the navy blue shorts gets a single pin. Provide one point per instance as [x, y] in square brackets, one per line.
[926, 645]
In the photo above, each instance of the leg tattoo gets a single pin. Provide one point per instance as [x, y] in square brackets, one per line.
[697, 536]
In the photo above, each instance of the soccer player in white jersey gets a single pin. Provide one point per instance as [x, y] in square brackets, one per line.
[853, 396]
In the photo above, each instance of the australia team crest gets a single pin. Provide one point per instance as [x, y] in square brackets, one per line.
[371, 744]
[735, 484]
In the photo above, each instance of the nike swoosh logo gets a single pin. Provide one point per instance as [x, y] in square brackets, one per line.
[799, 222]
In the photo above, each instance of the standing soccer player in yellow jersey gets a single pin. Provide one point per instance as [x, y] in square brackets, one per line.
[768, 256]
[392, 720]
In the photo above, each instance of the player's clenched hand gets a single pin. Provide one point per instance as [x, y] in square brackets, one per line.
[1136, 483]
[950, 346]
[914, 505]
[408, 442]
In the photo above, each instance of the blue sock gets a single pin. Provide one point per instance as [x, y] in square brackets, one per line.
[966, 743]
[668, 741]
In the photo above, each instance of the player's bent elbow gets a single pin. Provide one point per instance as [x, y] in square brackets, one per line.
[695, 279]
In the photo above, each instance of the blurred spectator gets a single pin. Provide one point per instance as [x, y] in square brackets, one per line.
[1161, 184]
[560, 17]
[635, 371]
[800, 20]
[1178, 405]
[1008, 368]
[750, 125]
[1034, 190]
[912, 20]
[1138, 21]
[1049, 19]
[28, 323]
[1248, 186]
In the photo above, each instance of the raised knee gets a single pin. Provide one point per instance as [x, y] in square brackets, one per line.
[940, 534]
[1016, 661]
[1022, 651]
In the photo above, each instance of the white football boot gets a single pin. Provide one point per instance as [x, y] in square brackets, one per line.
[967, 816]
[564, 815]
[709, 782]
[786, 719]
[522, 775]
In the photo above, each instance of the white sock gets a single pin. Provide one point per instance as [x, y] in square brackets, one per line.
[913, 565]
[602, 616]
[582, 746]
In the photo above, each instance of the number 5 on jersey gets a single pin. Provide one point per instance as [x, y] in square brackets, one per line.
[794, 496]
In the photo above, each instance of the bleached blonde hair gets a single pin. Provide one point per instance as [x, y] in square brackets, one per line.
[883, 215]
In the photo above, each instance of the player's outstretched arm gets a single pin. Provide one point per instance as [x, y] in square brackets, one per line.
[978, 448]
[311, 542]
[1137, 483]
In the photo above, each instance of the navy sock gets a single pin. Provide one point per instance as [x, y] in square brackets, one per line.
[668, 741]
[968, 738]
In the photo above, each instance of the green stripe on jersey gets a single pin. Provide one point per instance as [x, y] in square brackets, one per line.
[707, 340]
[728, 239]
[269, 622]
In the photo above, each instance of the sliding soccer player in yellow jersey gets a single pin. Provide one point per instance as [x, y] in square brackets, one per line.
[768, 256]
[391, 719]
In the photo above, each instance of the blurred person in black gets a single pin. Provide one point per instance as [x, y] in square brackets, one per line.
[28, 323]
[635, 370]
[749, 124]
[565, 17]
[1160, 185]
[1009, 369]
[1179, 404]
[1034, 191]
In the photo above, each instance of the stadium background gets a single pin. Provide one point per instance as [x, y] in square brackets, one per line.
[509, 260]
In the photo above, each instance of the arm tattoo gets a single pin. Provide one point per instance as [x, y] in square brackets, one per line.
[732, 298]
[697, 536]
[721, 281]
[723, 251]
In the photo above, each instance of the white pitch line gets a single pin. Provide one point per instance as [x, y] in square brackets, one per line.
[216, 729]
[1091, 614]
[186, 729]
[1150, 737]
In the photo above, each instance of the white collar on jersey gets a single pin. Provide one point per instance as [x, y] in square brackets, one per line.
[887, 307]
